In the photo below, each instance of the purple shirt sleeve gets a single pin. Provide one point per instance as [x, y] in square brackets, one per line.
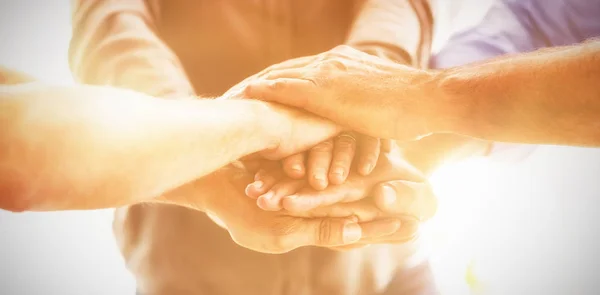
[512, 26]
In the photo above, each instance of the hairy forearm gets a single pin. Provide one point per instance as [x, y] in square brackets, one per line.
[89, 147]
[549, 96]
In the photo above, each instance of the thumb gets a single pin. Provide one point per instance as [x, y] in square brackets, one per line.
[298, 93]
[406, 198]
[329, 232]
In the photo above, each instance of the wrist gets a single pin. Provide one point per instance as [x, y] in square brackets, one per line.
[198, 194]
[449, 103]
[269, 123]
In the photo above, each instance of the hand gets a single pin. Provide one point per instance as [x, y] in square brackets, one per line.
[357, 90]
[328, 161]
[411, 200]
[274, 192]
[279, 232]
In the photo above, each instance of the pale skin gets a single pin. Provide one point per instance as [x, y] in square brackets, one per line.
[282, 231]
[549, 96]
[71, 148]
[86, 147]
[152, 68]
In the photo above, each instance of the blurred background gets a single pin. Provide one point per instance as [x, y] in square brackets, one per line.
[503, 228]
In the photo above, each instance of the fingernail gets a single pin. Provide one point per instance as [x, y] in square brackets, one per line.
[367, 168]
[319, 176]
[352, 233]
[339, 171]
[389, 195]
[321, 180]
[258, 184]
[268, 195]
[297, 167]
[292, 197]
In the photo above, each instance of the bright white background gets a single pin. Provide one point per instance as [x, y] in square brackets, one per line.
[531, 227]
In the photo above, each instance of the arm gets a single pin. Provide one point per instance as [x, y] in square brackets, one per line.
[114, 43]
[88, 147]
[399, 30]
[549, 96]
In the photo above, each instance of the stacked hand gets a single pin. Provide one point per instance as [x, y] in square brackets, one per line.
[359, 91]
[329, 161]
[364, 210]
[314, 197]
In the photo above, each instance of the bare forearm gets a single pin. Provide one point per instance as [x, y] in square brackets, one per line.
[546, 97]
[90, 147]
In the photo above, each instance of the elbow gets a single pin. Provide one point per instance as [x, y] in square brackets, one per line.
[15, 198]
[15, 203]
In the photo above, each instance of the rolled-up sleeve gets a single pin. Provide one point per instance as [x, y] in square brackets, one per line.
[403, 28]
[114, 43]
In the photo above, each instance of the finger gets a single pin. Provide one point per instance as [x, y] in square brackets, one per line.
[368, 149]
[408, 231]
[328, 232]
[343, 154]
[263, 181]
[271, 201]
[386, 145]
[319, 160]
[300, 93]
[380, 228]
[294, 73]
[293, 166]
[308, 199]
[238, 90]
[406, 198]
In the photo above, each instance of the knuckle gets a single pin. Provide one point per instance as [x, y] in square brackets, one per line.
[345, 143]
[333, 63]
[342, 49]
[278, 84]
[325, 146]
[330, 54]
[325, 232]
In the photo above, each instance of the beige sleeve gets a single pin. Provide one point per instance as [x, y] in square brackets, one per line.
[114, 43]
[403, 28]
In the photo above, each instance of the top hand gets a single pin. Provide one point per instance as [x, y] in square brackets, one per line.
[329, 161]
[357, 90]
